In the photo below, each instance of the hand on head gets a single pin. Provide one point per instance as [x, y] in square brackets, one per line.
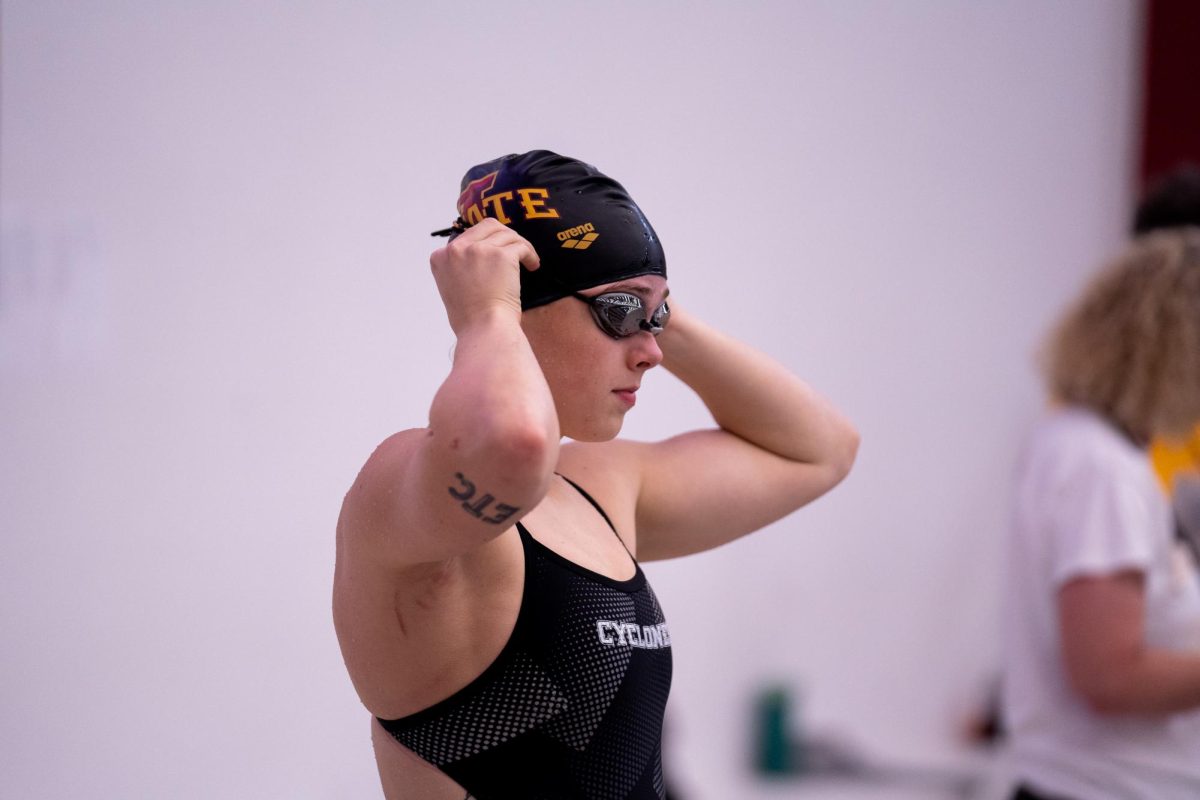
[478, 272]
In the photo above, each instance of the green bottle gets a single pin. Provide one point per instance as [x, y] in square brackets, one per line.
[774, 751]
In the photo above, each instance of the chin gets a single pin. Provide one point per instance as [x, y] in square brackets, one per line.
[594, 431]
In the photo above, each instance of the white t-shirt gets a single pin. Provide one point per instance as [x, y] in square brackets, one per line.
[1087, 503]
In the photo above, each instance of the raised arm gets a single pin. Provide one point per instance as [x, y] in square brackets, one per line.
[778, 445]
[489, 451]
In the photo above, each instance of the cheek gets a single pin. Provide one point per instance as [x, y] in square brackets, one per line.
[578, 360]
[582, 384]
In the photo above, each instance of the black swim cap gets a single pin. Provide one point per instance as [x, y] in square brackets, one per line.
[585, 227]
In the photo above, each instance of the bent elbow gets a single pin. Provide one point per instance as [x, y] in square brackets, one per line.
[527, 446]
[528, 453]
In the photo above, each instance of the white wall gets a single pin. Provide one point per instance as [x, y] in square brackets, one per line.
[214, 301]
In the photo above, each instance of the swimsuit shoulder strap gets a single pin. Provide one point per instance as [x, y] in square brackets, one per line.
[596, 506]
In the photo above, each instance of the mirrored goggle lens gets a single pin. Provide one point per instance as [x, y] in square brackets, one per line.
[622, 315]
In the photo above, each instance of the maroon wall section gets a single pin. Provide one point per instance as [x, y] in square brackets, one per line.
[1171, 98]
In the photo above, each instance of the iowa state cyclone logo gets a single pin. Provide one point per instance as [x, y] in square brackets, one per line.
[472, 195]
[477, 202]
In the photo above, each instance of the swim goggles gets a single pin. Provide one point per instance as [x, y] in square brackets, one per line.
[620, 314]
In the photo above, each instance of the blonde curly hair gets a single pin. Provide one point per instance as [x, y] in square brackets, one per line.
[1129, 348]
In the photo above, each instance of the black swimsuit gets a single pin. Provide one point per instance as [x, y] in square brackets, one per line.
[573, 705]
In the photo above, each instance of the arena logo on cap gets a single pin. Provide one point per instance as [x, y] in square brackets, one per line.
[571, 238]
[475, 203]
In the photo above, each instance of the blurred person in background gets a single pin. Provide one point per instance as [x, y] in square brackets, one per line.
[1174, 202]
[1101, 694]
[487, 599]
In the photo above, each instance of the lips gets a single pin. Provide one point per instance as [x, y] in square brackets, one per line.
[627, 394]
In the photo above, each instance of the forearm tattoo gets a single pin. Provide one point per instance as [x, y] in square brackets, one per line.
[477, 507]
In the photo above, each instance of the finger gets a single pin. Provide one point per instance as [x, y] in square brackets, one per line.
[529, 258]
[491, 233]
[478, 232]
[523, 251]
[499, 235]
[504, 237]
[486, 234]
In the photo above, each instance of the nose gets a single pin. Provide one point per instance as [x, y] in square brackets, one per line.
[644, 352]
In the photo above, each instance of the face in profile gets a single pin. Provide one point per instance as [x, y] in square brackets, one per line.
[593, 376]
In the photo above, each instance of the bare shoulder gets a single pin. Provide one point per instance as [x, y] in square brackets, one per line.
[610, 472]
[390, 456]
[369, 501]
